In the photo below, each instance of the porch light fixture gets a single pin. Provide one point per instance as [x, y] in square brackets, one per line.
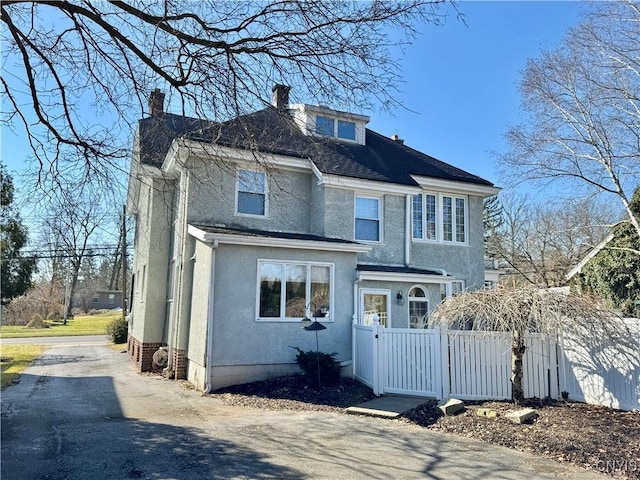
[400, 298]
[315, 326]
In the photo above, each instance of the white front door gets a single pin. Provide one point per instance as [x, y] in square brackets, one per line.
[374, 302]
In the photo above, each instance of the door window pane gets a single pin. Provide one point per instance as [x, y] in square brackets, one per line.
[375, 304]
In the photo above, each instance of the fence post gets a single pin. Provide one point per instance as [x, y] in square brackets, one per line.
[377, 387]
[354, 353]
[445, 368]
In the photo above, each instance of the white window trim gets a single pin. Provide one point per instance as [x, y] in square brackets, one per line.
[309, 312]
[440, 219]
[380, 200]
[237, 191]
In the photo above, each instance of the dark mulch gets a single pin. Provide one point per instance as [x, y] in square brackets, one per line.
[295, 392]
[593, 437]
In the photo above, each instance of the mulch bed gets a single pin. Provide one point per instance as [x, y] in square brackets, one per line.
[593, 437]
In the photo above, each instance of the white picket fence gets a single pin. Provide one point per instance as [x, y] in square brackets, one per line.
[477, 365]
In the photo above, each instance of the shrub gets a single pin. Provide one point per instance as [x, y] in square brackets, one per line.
[329, 367]
[37, 322]
[118, 330]
[53, 316]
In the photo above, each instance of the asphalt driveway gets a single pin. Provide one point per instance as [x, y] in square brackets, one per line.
[81, 412]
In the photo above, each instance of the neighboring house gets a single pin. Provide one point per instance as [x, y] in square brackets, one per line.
[106, 299]
[245, 227]
[493, 271]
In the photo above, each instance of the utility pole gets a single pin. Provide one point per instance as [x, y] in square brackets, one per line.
[124, 261]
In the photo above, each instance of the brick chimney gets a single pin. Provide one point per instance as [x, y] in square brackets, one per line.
[156, 102]
[280, 96]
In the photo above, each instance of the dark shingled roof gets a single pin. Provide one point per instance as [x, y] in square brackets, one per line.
[394, 269]
[251, 232]
[272, 131]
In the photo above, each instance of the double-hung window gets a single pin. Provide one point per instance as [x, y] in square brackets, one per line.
[368, 220]
[251, 193]
[439, 218]
[291, 290]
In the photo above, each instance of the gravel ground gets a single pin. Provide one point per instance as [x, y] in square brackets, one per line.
[593, 437]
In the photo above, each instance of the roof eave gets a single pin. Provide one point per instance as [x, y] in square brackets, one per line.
[255, 241]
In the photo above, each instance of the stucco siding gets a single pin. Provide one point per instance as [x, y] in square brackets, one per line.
[212, 198]
[238, 339]
[338, 213]
[153, 245]
[390, 250]
[399, 314]
[200, 303]
[463, 261]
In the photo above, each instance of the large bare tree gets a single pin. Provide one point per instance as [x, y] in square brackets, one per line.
[541, 242]
[74, 220]
[582, 105]
[76, 74]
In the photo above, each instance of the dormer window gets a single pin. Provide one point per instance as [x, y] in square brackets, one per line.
[324, 126]
[335, 128]
[346, 130]
[323, 121]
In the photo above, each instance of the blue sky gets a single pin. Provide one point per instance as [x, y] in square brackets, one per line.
[460, 82]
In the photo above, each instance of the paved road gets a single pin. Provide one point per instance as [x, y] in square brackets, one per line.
[68, 340]
[81, 412]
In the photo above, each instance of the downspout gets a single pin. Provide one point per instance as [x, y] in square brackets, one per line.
[179, 277]
[407, 229]
[210, 304]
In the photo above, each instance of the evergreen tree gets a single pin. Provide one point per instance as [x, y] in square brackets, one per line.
[16, 268]
[614, 273]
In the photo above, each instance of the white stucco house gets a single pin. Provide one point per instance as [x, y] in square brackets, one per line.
[245, 227]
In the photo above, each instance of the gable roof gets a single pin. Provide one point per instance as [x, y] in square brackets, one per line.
[273, 131]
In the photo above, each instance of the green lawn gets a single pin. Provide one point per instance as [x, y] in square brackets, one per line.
[80, 325]
[14, 359]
